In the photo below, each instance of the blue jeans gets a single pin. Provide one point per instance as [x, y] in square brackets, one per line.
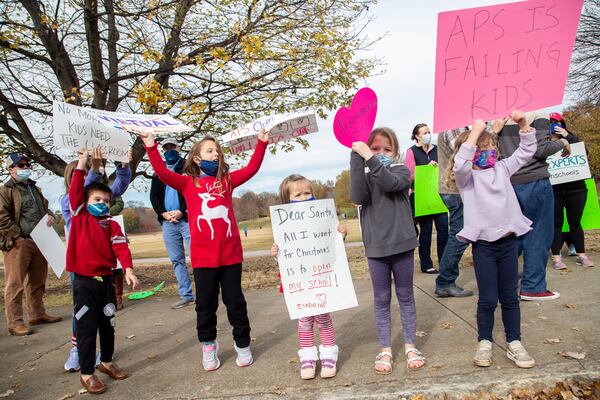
[454, 248]
[537, 203]
[174, 235]
[497, 273]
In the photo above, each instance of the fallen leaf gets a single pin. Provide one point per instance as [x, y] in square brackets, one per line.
[421, 334]
[435, 367]
[570, 305]
[348, 384]
[152, 356]
[446, 325]
[418, 397]
[294, 360]
[278, 390]
[542, 317]
[572, 354]
[576, 328]
[129, 337]
[7, 393]
[565, 271]
[552, 341]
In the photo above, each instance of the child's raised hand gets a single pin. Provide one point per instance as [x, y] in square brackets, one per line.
[343, 230]
[263, 136]
[131, 279]
[478, 126]
[82, 157]
[362, 150]
[518, 117]
[145, 136]
[274, 250]
[498, 124]
[96, 159]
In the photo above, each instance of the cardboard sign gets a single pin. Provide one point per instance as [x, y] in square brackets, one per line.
[567, 169]
[491, 60]
[282, 127]
[591, 213]
[312, 258]
[354, 124]
[77, 127]
[50, 245]
[427, 198]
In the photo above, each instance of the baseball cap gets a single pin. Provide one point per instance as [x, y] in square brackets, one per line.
[556, 116]
[14, 158]
[169, 141]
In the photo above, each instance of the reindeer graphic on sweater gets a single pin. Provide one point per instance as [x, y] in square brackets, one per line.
[210, 213]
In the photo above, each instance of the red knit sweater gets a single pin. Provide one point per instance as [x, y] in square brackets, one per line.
[94, 244]
[215, 237]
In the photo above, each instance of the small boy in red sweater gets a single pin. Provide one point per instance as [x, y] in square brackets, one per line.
[95, 243]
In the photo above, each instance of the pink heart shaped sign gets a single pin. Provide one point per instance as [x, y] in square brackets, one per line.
[355, 123]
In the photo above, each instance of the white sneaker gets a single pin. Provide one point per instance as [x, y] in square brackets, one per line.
[72, 364]
[210, 359]
[244, 356]
[517, 353]
[483, 356]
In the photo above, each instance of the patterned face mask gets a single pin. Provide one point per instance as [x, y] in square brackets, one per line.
[385, 160]
[98, 209]
[485, 159]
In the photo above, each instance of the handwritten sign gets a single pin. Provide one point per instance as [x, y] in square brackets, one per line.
[491, 60]
[354, 124]
[591, 212]
[282, 127]
[427, 199]
[141, 122]
[50, 245]
[568, 169]
[77, 127]
[312, 258]
[119, 220]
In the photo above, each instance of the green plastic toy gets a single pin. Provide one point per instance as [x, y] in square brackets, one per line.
[146, 293]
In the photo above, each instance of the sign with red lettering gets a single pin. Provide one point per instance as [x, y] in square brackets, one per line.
[282, 127]
[312, 258]
[492, 60]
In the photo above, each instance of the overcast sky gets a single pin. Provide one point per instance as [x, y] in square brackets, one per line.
[404, 91]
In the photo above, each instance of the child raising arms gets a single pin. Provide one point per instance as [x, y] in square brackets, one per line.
[493, 221]
[95, 243]
[380, 186]
[216, 248]
[293, 189]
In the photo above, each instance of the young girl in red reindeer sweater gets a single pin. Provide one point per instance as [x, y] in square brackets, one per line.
[216, 248]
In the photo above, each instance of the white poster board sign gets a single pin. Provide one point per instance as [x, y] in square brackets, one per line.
[282, 126]
[76, 127]
[567, 169]
[50, 245]
[312, 258]
[119, 220]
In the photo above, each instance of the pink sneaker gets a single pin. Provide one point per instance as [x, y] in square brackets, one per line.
[543, 296]
[584, 261]
[558, 264]
[210, 359]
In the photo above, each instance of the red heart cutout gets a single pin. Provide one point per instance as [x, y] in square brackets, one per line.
[355, 123]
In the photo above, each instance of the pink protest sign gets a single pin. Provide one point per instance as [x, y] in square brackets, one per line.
[355, 123]
[491, 60]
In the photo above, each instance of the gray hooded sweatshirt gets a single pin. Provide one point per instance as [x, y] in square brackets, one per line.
[385, 215]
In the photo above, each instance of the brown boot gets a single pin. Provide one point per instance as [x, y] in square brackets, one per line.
[118, 282]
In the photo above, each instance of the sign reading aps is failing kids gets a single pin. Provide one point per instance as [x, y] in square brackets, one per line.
[312, 258]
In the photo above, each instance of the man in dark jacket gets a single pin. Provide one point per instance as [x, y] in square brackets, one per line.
[171, 210]
[22, 206]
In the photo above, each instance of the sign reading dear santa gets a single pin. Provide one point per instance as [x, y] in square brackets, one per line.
[491, 60]
[312, 258]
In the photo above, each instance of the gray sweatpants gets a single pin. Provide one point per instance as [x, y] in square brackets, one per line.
[401, 266]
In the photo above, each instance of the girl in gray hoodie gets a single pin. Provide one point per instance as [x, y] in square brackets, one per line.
[379, 184]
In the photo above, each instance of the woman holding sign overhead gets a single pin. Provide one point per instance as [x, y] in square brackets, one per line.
[569, 196]
[380, 186]
[425, 153]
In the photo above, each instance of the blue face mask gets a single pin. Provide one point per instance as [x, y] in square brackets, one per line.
[385, 160]
[301, 201]
[98, 209]
[23, 174]
[209, 167]
[172, 157]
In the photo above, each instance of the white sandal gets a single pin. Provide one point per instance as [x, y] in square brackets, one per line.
[418, 356]
[388, 365]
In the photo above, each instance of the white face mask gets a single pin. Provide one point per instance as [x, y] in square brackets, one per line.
[427, 138]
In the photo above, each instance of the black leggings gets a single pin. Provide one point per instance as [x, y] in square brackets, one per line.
[574, 202]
